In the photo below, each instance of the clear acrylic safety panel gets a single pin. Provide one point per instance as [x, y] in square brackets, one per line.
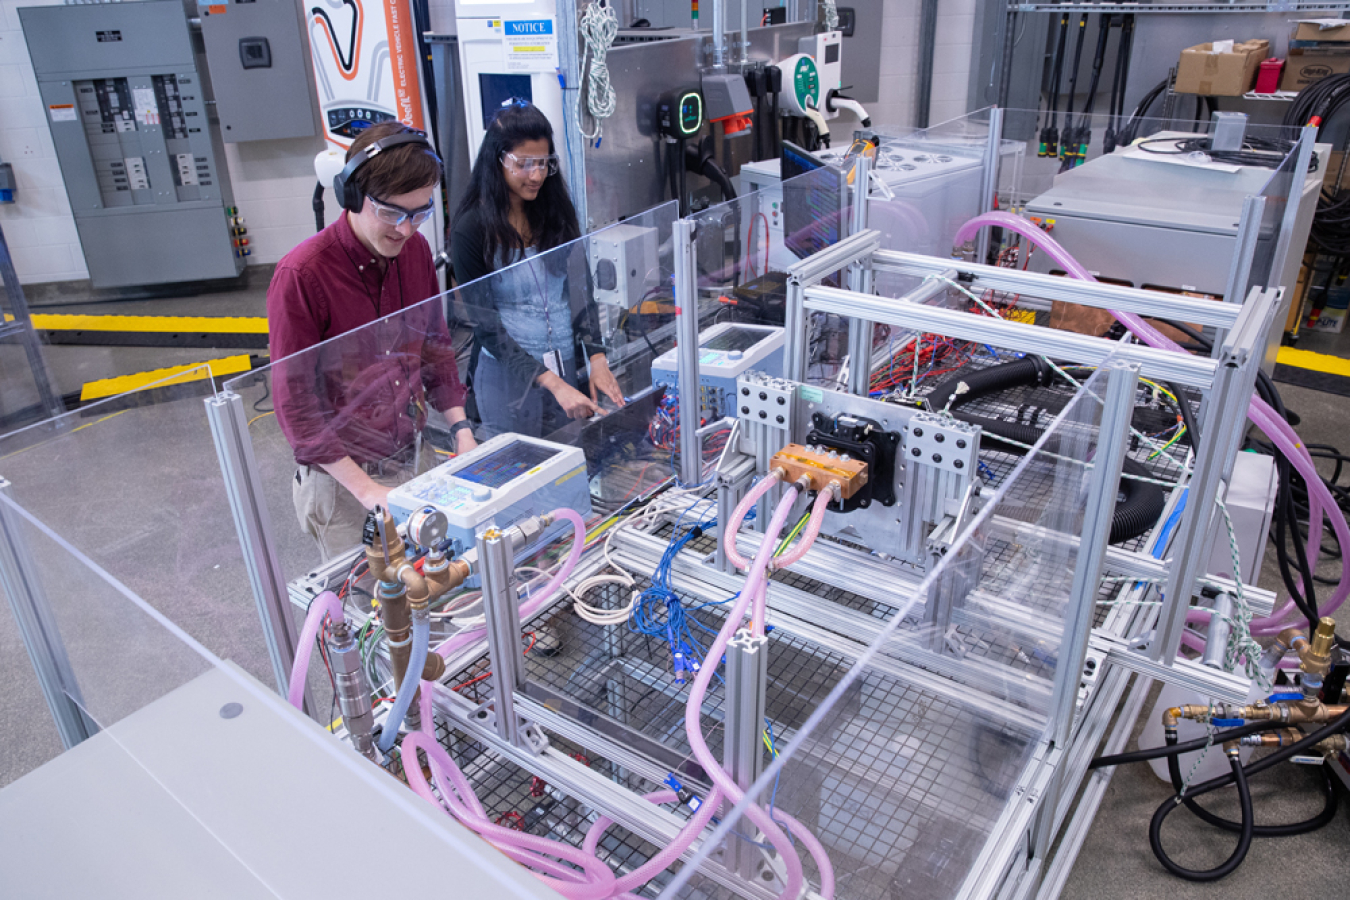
[184, 752]
[916, 750]
[744, 247]
[593, 313]
[134, 483]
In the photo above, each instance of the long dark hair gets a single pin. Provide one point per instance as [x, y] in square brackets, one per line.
[552, 217]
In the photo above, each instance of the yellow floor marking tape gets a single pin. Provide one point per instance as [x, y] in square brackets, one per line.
[1317, 362]
[206, 324]
[111, 387]
[202, 324]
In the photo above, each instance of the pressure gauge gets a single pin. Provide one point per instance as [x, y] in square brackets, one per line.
[427, 527]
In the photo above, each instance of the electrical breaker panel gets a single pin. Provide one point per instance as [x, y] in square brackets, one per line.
[140, 151]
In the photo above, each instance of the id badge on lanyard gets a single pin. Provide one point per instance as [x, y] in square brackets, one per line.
[554, 363]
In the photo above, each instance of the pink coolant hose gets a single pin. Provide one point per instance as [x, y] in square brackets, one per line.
[590, 880]
[693, 725]
[670, 853]
[325, 605]
[738, 515]
[535, 603]
[759, 612]
[1321, 503]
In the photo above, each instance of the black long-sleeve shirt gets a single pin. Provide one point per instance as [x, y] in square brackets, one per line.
[477, 302]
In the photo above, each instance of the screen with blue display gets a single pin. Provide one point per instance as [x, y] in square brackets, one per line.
[498, 469]
[813, 201]
[735, 338]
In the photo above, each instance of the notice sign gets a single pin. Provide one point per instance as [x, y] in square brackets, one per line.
[530, 45]
[62, 112]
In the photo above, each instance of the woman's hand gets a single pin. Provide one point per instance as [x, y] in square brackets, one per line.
[603, 380]
[576, 404]
[465, 441]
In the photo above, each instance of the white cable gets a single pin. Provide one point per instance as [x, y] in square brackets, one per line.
[598, 28]
[676, 498]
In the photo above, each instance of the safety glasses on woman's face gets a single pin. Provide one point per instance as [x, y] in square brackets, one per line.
[529, 165]
[390, 214]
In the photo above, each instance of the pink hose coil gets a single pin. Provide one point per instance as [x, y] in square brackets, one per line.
[594, 881]
[699, 690]
[1321, 504]
[325, 605]
[729, 529]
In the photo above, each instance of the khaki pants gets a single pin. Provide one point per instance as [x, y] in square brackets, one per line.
[330, 514]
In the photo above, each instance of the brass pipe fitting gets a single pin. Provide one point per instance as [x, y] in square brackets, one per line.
[1337, 743]
[1301, 712]
[1316, 660]
[1281, 738]
[1289, 637]
[415, 590]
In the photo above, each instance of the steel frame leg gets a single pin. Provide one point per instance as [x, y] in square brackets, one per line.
[22, 585]
[743, 747]
[234, 448]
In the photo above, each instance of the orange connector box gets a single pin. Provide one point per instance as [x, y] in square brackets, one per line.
[820, 468]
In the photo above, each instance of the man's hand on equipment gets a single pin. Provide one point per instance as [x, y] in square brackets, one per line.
[368, 492]
[465, 441]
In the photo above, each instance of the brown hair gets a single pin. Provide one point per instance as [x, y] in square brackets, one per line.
[398, 170]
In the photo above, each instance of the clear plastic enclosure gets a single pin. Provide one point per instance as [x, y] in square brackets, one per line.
[912, 756]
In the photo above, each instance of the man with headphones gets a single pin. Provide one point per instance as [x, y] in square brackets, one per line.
[352, 407]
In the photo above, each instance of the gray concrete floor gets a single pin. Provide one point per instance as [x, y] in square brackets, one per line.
[139, 493]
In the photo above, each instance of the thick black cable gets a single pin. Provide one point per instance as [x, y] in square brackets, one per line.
[1142, 501]
[1228, 866]
[1174, 749]
[1050, 137]
[1288, 830]
[1302, 589]
[1073, 77]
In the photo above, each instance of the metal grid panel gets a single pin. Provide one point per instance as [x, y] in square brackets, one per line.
[513, 797]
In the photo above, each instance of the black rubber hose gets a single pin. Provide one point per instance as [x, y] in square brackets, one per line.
[1141, 503]
[1293, 828]
[713, 172]
[1228, 866]
[1175, 749]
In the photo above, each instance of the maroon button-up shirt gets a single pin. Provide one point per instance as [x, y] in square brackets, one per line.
[355, 352]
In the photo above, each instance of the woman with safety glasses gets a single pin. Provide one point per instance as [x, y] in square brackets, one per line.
[536, 325]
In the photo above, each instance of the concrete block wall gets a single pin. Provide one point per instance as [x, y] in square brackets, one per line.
[951, 59]
[898, 72]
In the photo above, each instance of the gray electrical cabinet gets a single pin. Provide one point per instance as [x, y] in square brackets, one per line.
[259, 76]
[143, 163]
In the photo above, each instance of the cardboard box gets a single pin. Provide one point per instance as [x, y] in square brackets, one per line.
[1201, 71]
[1311, 30]
[1307, 66]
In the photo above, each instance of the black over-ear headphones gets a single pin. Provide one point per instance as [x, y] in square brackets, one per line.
[345, 189]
